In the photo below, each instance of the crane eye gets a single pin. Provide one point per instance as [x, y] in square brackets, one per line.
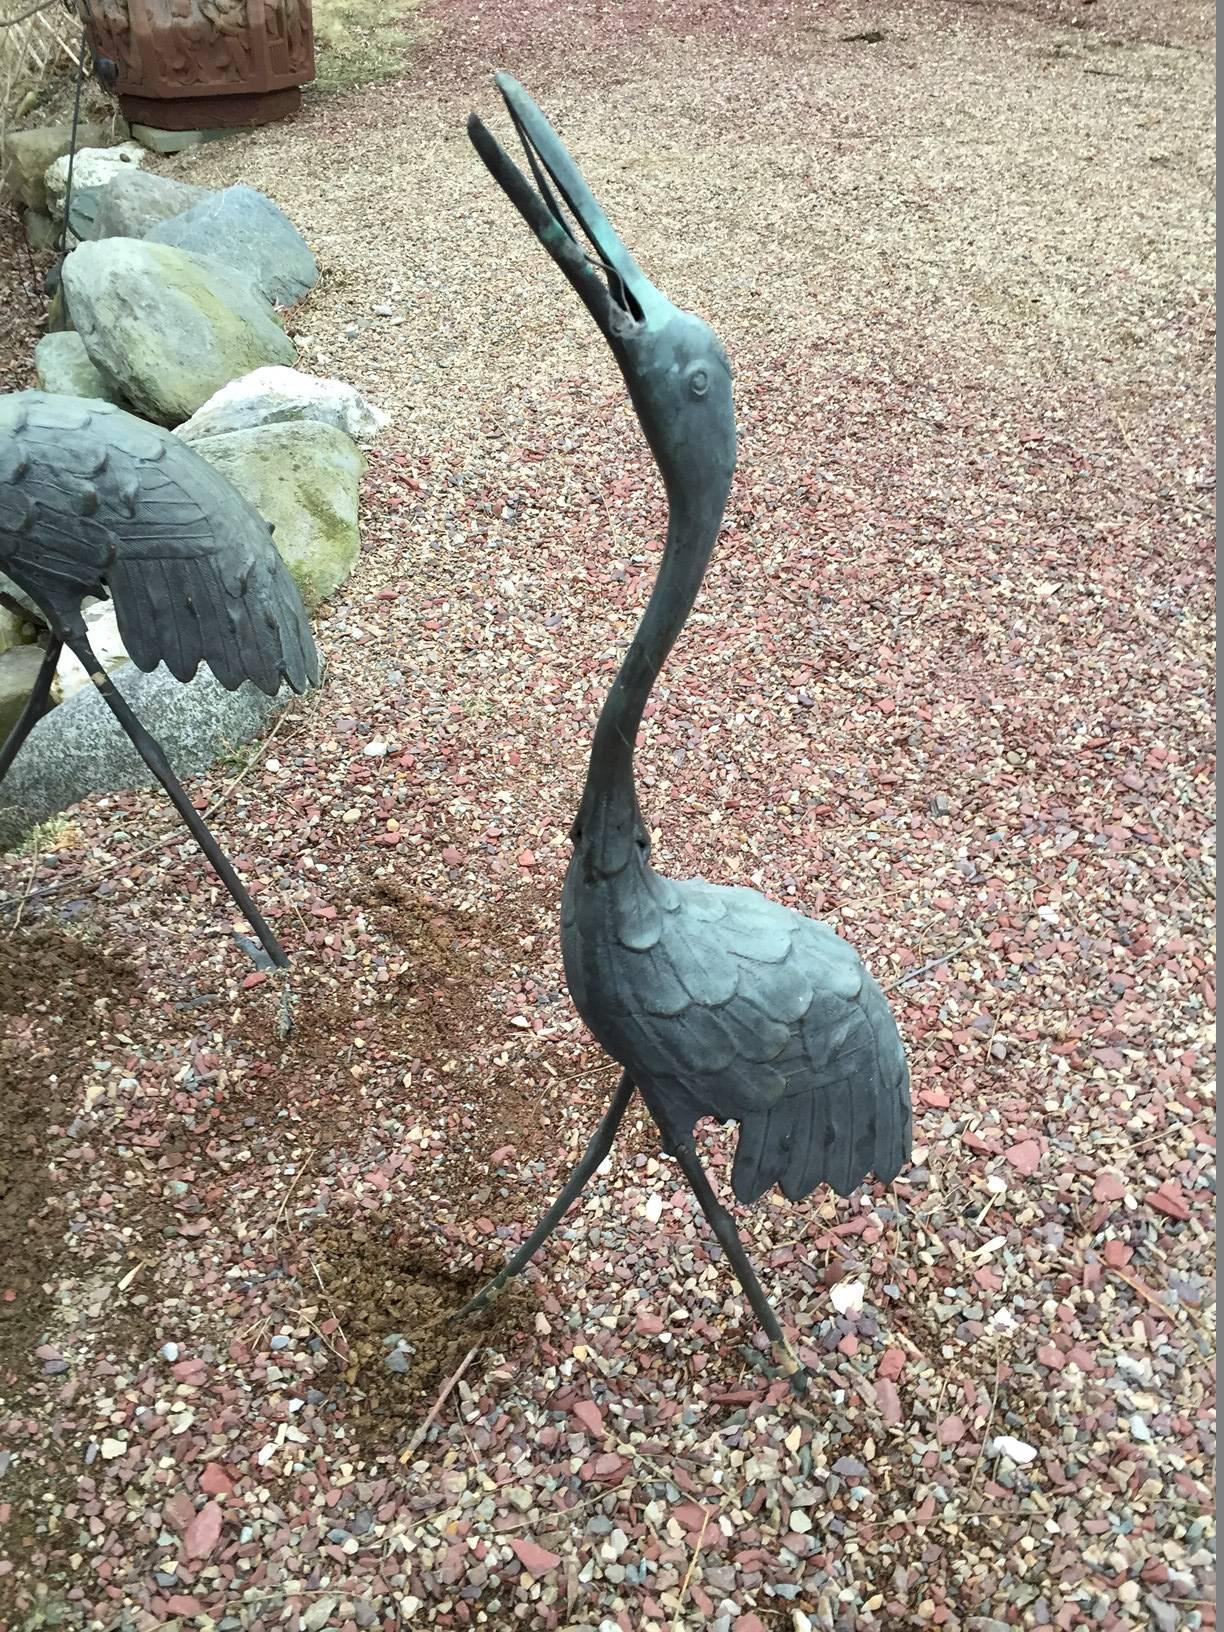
[699, 382]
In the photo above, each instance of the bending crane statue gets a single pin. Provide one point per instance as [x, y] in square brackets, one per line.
[94, 501]
[716, 1001]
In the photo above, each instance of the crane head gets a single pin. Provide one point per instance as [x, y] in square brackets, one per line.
[673, 364]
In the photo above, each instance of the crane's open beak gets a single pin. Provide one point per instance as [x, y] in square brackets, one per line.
[613, 288]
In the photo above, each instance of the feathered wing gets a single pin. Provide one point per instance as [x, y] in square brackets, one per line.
[848, 1114]
[92, 498]
[726, 1004]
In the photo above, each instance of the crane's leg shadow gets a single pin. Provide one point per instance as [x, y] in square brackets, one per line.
[592, 1156]
[680, 1146]
[35, 707]
[150, 751]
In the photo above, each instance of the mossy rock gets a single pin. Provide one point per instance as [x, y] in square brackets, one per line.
[27, 154]
[303, 478]
[166, 328]
[19, 668]
[251, 234]
[12, 626]
[63, 366]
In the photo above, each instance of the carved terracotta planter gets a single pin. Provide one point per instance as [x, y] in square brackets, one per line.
[184, 64]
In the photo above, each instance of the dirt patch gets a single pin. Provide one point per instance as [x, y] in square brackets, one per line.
[403, 915]
[356, 1045]
[53, 988]
[396, 1344]
[57, 994]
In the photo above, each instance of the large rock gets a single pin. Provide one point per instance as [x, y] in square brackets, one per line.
[27, 153]
[19, 667]
[167, 329]
[13, 593]
[63, 365]
[92, 169]
[303, 478]
[78, 749]
[249, 232]
[273, 396]
[102, 628]
[41, 232]
[135, 201]
[83, 213]
[12, 628]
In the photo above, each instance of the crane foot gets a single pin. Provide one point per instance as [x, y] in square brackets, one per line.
[797, 1375]
[787, 1365]
[791, 1367]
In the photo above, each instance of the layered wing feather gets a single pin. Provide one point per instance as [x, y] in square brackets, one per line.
[93, 500]
[720, 1002]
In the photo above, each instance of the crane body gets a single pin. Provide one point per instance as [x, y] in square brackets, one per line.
[715, 1000]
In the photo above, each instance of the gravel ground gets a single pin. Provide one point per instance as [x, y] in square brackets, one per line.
[949, 685]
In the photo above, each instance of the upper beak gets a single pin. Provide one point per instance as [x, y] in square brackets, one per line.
[612, 286]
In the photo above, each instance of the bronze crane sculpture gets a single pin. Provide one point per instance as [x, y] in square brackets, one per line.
[715, 1001]
[94, 501]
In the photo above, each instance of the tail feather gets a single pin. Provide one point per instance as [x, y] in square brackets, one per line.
[179, 610]
[803, 1164]
[761, 1155]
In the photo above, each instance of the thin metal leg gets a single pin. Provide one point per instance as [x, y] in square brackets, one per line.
[590, 1159]
[728, 1236]
[151, 753]
[35, 708]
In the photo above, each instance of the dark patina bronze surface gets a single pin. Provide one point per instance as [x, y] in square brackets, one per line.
[716, 1001]
[95, 502]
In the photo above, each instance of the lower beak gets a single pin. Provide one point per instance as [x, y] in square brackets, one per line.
[609, 281]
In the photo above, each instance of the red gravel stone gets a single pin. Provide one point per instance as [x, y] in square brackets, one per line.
[204, 1531]
[538, 1560]
[1025, 1157]
[1168, 1199]
[591, 1418]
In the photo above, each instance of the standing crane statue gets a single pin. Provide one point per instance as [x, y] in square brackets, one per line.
[715, 1001]
[94, 501]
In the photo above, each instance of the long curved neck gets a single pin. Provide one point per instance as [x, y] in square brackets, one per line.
[609, 823]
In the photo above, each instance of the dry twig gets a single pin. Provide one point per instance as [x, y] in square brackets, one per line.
[410, 1449]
